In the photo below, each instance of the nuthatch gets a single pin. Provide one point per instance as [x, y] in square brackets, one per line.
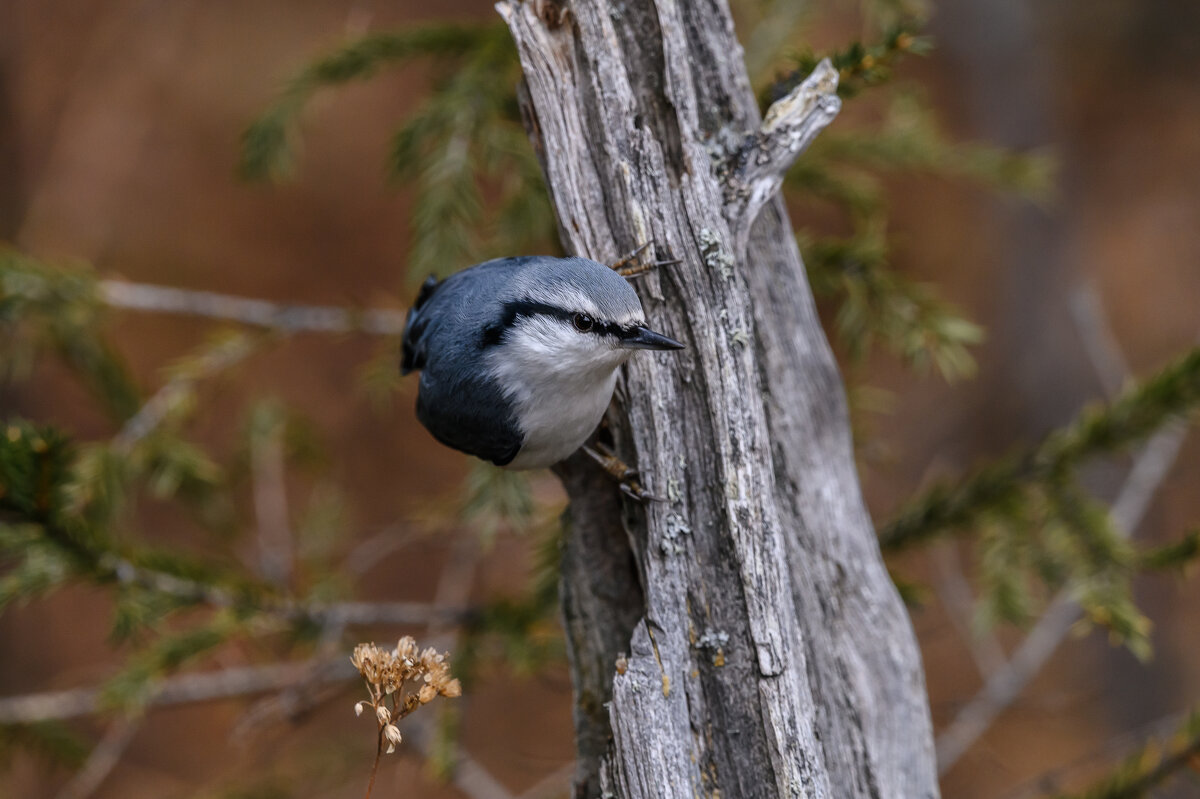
[519, 356]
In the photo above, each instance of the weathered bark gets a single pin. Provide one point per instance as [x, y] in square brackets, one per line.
[768, 653]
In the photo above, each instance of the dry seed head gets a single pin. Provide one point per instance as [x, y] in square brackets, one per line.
[392, 733]
[425, 672]
[370, 662]
[406, 650]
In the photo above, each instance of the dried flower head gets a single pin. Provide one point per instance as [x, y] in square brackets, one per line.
[399, 681]
[392, 734]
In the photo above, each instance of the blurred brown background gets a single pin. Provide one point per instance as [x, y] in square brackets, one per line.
[119, 126]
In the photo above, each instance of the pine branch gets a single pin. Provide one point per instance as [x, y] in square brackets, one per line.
[910, 140]
[859, 65]
[879, 304]
[268, 145]
[231, 683]
[1099, 430]
[1177, 555]
[464, 139]
[38, 527]
[130, 688]
[1005, 684]
[57, 308]
[52, 741]
[1150, 767]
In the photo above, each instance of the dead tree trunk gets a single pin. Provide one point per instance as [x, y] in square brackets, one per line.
[768, 653]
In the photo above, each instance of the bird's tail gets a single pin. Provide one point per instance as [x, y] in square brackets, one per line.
[412, 348]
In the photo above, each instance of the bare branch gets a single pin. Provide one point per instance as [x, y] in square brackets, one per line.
[155, 410]
[310, 690]
[755, 172]
[370, 551]
[1098, 339]
[181, 690]
[261, 313]
[269, 476]
[955, 593]
[102, 760]
[369, 613]
[476, 781]
[469, 776]
[556, 783]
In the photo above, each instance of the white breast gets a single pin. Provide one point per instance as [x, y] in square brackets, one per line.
[559, 386]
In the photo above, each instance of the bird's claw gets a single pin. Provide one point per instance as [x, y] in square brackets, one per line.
[629, 268]
[620, 471]
[634, 490]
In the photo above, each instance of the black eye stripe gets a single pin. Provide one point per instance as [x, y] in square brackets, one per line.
[511, 310]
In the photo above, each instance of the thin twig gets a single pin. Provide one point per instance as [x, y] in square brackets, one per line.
[368, 613]
[358, 19]
[457, 577]
[102, 760]
[955, 593]
[469, 776]
[155, 409]
[372, 550]
[308, 692]
[556, 783]
[1098, 340]
[269, 478]
[261, 313]
[375, 765]
[475, 781]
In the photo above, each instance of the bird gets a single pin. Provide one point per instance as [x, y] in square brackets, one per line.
[519, 356]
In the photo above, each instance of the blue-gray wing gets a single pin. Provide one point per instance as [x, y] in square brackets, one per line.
[469, 417]
[444, 338]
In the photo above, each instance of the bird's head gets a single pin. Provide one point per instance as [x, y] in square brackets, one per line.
[572, 315]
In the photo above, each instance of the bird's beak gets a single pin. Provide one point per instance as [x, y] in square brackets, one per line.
[644, 338]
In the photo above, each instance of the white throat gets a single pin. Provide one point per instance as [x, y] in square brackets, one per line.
[559, 382]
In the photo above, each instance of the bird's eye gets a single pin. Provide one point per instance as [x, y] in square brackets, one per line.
[583, 323]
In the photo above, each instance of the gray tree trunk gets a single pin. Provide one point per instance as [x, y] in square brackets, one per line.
[740, 638]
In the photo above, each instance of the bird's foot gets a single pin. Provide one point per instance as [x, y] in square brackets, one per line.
[625, 475]
[628, 266]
